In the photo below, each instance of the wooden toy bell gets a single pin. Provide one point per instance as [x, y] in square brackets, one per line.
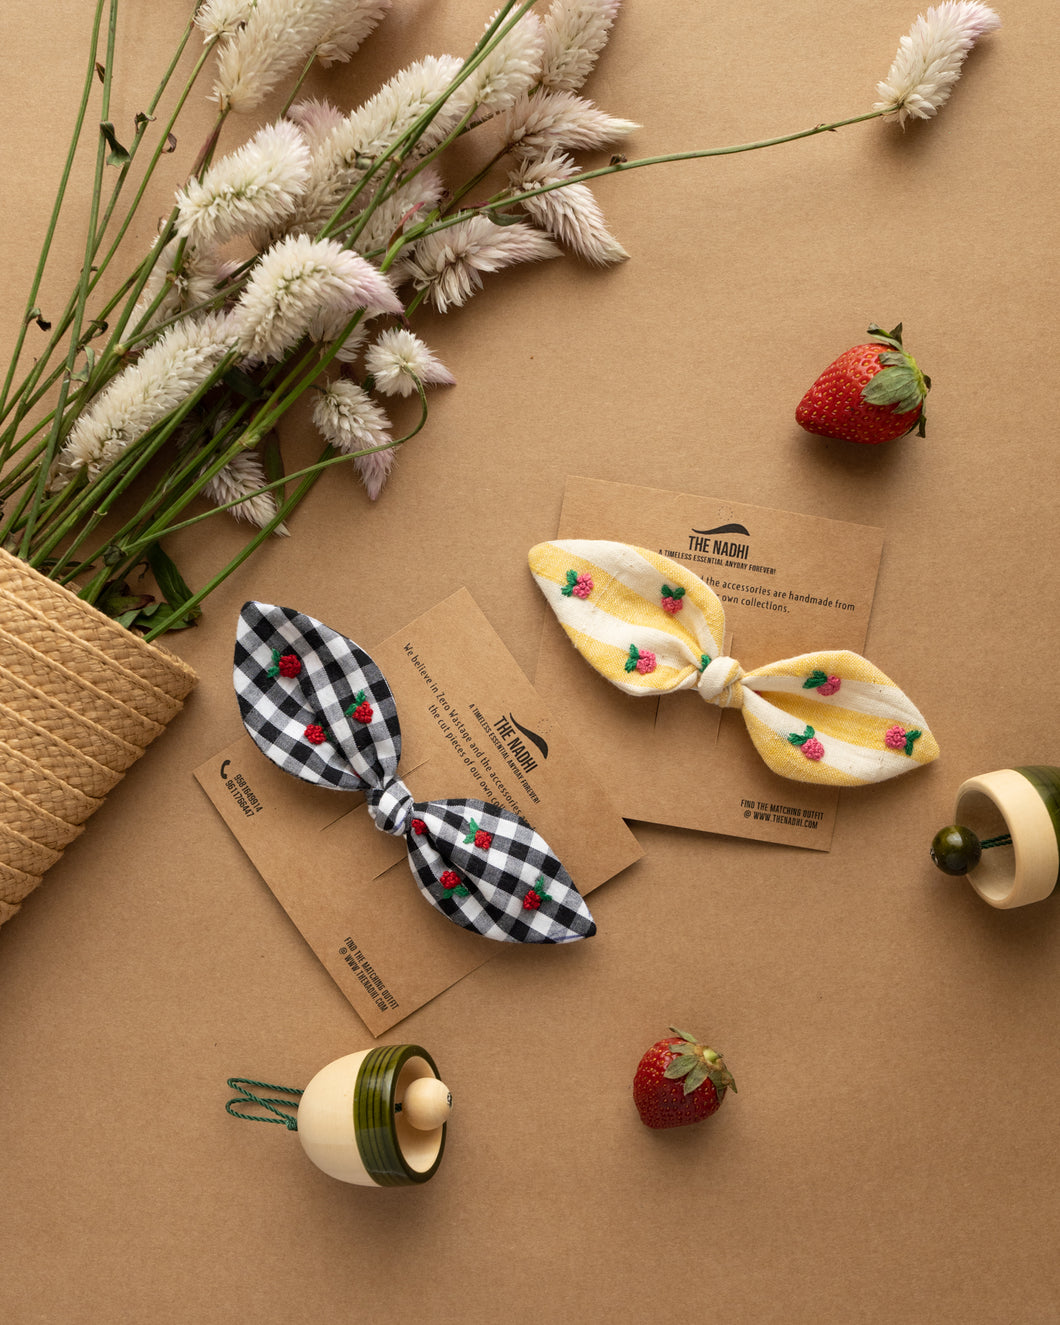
[1016, 813]
[376, 1118]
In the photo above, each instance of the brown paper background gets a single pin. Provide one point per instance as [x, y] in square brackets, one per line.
[892, 1152]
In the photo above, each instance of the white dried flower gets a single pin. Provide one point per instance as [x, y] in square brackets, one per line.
[340, 158]
[315, 118]
[348, 31]
[930, 56]
[276, 37]
[302, 286]
[158, 383]
[350, 420]
[193, 283]
[405, 206]
[222, 18]
[400, 363]
[374, 470]
[559, 120]
[242, 476]
[250, 191]
[509, 71]
[571, 213]
[450, 264]
[576, 31]
[350, 349]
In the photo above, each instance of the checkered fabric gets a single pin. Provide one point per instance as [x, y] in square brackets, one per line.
[317, 705]
[651, 626]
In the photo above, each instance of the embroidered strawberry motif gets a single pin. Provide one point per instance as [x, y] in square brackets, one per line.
[822, 683]
[641, 660]
[577, 586]
[315, 734]
[808, 743]
[479, 836]
[284, 664]
[898, 738]
[672, 599]
[360, 710]
[450, 881]
[536, 895]
[419, 827]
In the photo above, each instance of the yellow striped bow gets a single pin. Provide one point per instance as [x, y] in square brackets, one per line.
[651, 627]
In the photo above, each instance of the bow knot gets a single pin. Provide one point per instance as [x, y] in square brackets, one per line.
[650, 626]
[719, 683]
[318, 706]
[390, 806]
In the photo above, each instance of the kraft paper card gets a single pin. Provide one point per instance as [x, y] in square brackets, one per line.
[471, 725]
[789, 584]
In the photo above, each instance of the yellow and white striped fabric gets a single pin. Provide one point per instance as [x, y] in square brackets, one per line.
[650, 626]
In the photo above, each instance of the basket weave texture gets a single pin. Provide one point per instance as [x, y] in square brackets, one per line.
[81, 699]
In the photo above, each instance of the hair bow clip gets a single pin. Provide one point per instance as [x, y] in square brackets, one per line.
[317, 705]
[650, 626]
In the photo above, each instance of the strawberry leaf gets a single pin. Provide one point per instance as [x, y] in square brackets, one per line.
[696, 1077]
[680, 1067]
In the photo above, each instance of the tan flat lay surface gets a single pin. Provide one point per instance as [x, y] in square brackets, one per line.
[892, 1153]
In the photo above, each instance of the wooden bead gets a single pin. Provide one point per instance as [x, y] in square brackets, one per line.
[427, 1103]
[956, 849]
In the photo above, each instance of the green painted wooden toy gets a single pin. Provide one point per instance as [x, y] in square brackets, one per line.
[1006, 838]
[376, 1118]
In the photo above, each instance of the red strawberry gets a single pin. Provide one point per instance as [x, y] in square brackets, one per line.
[678, 1081]
[873, 393]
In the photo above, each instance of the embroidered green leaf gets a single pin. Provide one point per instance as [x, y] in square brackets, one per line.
[910, 738]
[800, 738]
[633, 659]
[572, 580]
[815, 679]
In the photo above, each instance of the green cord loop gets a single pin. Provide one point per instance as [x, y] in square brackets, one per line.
[276, 1106]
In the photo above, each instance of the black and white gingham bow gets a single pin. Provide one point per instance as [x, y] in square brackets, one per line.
[318, 706]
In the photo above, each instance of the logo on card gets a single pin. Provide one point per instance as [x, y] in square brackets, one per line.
[512, 733]
[721, 541]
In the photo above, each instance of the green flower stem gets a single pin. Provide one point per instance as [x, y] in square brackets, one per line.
[110, 359]
[49, 235]
[327, 460]
[506, 198]
[400, 148]
[98, 496]
[251, 547]
[298, 83]
[284, 509]
[82, 298]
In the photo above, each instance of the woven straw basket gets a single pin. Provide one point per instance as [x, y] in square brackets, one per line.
[81, 699]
